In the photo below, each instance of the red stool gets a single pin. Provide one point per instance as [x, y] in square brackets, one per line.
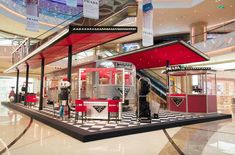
[113, 108]
[31, 98]
[80, 107]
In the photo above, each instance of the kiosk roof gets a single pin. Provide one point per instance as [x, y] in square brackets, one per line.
[176, 52]
[81, 38]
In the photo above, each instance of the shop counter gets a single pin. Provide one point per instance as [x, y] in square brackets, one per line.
[196, 103]
[98, 109]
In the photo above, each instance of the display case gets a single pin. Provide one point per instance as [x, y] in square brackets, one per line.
[192, 89]
[109, 80]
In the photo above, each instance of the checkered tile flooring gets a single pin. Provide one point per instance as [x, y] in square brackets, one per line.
[128, 120]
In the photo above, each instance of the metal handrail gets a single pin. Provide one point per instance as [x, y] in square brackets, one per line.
[160, 77]
[165, 79]
[213, 29]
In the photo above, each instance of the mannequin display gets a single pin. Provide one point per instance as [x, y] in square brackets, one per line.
[12, 95]
[144, 109]
[63, 97]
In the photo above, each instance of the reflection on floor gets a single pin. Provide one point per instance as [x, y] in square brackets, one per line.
[206, 138]
[211, 138]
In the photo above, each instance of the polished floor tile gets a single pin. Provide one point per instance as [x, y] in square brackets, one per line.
[212, 138]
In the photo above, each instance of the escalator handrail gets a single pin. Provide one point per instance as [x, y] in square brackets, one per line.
[164, 79]
[154, 81]
[153, 86]
[162, 85]
[157, 75]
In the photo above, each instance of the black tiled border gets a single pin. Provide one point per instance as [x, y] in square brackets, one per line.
[86, 136]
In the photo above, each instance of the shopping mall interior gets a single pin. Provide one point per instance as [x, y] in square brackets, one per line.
[121, 77]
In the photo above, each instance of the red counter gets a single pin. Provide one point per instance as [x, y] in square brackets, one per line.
[98, 109]
[193, 103]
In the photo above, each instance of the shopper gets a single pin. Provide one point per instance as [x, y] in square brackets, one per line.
[63, 96]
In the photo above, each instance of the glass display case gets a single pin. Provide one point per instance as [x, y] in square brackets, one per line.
[110, 80]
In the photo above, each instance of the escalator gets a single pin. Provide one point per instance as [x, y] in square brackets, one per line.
[158, 87]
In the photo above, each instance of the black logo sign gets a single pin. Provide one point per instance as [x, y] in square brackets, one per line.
[177, 100]
[99, 109]
[123, 65]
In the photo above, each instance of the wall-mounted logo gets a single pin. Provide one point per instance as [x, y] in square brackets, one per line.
[177, 100]
[99, 109]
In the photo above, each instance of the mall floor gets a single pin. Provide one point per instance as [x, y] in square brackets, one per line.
[21, 135]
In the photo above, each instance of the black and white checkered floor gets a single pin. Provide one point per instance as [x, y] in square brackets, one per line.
[128, 119]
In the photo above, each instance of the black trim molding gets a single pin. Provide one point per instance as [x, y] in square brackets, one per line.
[108, 29]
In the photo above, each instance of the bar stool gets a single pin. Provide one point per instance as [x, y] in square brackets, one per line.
[31, 98]
[80, 107]
[113, 108]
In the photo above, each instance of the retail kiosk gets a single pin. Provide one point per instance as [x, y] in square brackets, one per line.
[110, 80]
[191, 89]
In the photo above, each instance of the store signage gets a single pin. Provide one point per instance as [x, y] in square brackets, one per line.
[177, 100]
[21, 51]
[147, 7]
[147, 32]
[72, 3]
[91, 9]
[99, 109]
[123, 65]
[32, 15]
[182, 68]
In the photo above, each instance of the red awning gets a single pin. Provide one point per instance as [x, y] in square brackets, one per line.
[80, 38]
[177, 52]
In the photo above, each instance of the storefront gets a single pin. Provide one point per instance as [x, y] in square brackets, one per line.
[192, 89]
[95, 84]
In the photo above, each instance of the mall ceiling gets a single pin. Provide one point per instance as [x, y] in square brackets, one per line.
[170, 16]
[176, 16]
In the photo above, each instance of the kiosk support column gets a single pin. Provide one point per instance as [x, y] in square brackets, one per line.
[69, 70]
[27, 82]
[17, 85]
[41, 84]
[167, 76]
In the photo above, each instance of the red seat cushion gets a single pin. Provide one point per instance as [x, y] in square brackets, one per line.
[31, 98]
[113, 102]
[113, 109]
[113, 105]
[81, 108]
[79, 102]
